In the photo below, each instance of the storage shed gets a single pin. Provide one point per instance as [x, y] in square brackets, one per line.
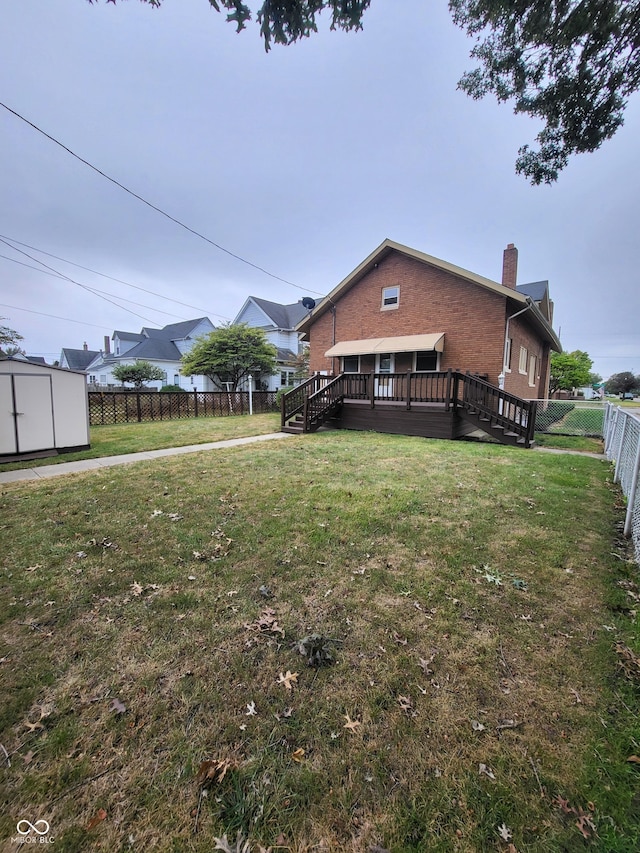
[43, 410]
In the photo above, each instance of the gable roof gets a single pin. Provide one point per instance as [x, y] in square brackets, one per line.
[282, 316]
[175, 331]
[537, 290]
[79, 359]
[521, 300]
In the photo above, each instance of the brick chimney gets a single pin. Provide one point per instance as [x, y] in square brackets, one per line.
[510, 266]
[107, 349]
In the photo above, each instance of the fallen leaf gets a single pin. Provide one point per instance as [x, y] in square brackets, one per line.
[117, 706]
[585, 825]
[483, 770]
[136, 588]
[251, 709]
[298, 754]
[504, 832]
[96, 820]
[214, 770]
[352, 725]
[634, 759]
[28, 757]
[289, 679]
[240, 846]
[476, 726]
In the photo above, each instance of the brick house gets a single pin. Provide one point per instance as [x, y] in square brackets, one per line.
[402, 310]
[411, 344]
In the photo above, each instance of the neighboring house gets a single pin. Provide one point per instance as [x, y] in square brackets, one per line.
[406, 330]
[78, 359]
[161, 347]
[279, 324]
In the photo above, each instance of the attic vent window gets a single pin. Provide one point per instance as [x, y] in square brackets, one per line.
[390, 298]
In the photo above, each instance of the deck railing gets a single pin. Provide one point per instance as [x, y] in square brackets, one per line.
[320, 396]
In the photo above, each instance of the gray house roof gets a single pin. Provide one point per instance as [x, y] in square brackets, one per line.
[282, 316]
[79, 359]
[537, 290]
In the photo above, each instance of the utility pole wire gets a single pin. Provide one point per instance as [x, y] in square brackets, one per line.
[153, 206]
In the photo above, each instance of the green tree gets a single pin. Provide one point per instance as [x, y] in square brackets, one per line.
[623, 383]
[137, 373]
[572, 64]
[229, 354]
[9, 340]
[569, 370]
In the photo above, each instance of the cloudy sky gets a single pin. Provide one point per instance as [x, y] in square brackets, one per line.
[300, 161]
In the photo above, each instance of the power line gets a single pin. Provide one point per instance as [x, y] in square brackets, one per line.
[103, 275]
[51, 316]
[153, 206]
[83, 286]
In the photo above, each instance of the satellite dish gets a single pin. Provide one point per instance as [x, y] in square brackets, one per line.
[309, 303]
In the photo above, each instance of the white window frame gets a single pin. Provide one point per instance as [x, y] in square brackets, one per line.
[390, 298]
[533, 365]
[358, 363]
[522, 362]
[508, 344]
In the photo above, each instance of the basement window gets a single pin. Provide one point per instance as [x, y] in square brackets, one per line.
[390, 298]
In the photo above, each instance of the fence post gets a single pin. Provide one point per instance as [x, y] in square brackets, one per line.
[372, 389]
[618, 472]
[195, 402]
[631, 497]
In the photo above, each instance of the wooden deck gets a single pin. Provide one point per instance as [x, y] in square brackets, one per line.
[432, 405]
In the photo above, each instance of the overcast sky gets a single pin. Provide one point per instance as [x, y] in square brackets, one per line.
[301, 161]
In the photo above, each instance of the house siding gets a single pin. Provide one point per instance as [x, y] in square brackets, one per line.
[431, 300]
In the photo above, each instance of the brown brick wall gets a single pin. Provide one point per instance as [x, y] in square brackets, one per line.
[516, 382]
[431, 300]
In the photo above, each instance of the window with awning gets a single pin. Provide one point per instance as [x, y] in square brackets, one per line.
[402, 343]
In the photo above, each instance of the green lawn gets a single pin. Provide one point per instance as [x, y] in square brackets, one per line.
[155, 435]
[474, 612]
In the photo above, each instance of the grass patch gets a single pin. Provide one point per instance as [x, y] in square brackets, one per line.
[482, 622]
[570, 442]
[156, 435]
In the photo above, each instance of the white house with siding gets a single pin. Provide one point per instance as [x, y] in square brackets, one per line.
[278, 323]
[161, 347]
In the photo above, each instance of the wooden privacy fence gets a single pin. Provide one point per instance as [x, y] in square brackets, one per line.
[137, 406]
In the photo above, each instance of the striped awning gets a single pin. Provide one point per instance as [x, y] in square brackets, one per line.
[403, 343]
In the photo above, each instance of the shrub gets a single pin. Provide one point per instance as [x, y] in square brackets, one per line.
[172, 389]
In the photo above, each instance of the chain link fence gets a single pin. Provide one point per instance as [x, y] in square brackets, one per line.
[570, 417]
[622, 446]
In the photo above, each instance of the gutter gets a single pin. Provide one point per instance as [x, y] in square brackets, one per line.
[506, 330]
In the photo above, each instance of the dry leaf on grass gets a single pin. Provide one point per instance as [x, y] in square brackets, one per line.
[241, 845]
[289, 679]
[504, 832]
[352, 725]
[96, 820]
[215, 770]
[484, 770]
[298, 754]
[117, 706]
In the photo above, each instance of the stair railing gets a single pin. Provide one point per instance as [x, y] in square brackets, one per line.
[293, 401]
[322, 403]
[502, 409]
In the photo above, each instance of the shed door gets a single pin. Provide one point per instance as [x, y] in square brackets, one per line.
[7, 421]
[34, 413]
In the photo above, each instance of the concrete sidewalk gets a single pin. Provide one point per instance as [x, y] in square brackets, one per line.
[47, 471]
